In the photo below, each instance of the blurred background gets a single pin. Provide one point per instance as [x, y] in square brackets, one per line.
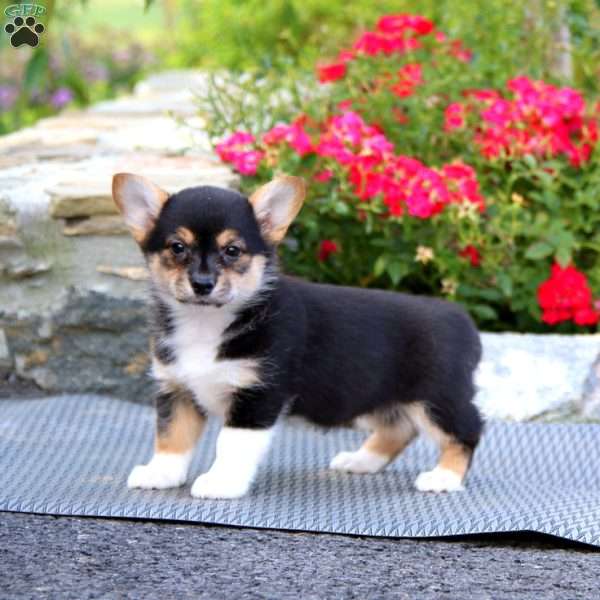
[95, 49]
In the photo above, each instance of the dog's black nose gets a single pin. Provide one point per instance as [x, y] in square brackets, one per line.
[202, 284]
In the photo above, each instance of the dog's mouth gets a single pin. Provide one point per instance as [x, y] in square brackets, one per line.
[202, 302]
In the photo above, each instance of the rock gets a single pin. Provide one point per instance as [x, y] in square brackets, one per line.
[98, 225]
[167, 81]
[24, 267]
[589, 404]
[6, 361]
[8, 222]
[524, 376]
[81, 199]
[80, 194]
[133, 273]
[97, 343]
[10, 241]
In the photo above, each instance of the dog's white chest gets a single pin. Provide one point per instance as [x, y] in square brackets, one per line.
[195, 341]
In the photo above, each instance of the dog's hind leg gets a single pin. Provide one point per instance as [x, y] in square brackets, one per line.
[457, 442]
[383, 445]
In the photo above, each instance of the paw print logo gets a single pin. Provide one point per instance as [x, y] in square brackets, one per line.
[24, 31]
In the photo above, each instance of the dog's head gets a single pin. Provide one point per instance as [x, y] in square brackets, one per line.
[207, 245]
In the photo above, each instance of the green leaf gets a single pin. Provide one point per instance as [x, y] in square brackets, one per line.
[397, 271]
[36, 70]
[539, 250]
[379, 266]
[484, 312]
[530, 161]
[563, 256]
[341, 208]
[505, 284]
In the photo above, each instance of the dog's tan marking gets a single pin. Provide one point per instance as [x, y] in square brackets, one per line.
[168, 275]
[230, 236]
[276, 205]
[454, 456]
[183, 428]
[389, 441]
[247, 277]
[185, 235]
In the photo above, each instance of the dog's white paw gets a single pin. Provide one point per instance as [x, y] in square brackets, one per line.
[217, 485]
[439, 480]
[361, 461]
[162, 472]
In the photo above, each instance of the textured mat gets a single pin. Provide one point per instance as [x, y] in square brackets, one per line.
[71, 456]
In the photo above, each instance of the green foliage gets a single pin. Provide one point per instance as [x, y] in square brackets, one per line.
[248, 35]
[539, 210]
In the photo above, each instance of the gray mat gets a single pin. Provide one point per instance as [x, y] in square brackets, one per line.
[71, 456]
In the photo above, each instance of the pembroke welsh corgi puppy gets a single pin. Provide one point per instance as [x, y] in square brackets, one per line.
[233, 337]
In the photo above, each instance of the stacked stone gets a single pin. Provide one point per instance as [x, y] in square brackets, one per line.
[72, 315]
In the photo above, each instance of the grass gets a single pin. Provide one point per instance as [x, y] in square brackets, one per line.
[94, 16]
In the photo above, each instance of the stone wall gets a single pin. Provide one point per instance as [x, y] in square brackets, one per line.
[72, 282]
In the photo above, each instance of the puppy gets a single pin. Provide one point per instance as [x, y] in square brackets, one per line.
[233, 337]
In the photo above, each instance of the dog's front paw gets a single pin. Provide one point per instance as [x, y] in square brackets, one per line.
[215, 485]
[162, 472]
[361, 461]
[439, 480]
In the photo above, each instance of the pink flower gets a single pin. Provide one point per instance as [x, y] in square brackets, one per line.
[295, 135]
[238, 149]
[454, 116]
[247, 163]
[536, 118]
[324, 176]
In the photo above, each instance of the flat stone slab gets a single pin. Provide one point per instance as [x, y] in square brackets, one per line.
[523, 376]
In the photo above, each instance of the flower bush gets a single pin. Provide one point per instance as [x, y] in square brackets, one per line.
[423, 178]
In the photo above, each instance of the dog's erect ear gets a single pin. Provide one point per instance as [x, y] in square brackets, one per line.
[140, 202]
[276, 205]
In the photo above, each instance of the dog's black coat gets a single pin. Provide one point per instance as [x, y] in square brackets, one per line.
[344, 352]
[329, 353]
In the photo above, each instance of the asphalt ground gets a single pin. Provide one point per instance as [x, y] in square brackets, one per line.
[81, 558]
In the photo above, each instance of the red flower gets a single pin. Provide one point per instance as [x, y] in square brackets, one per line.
[472, 254]
[331, 72]
[399, 24]
[409, 77]
[460, 52]
[565, 296]
[326, 249]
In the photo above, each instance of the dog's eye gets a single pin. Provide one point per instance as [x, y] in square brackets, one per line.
[232, 251]
[177, 248]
